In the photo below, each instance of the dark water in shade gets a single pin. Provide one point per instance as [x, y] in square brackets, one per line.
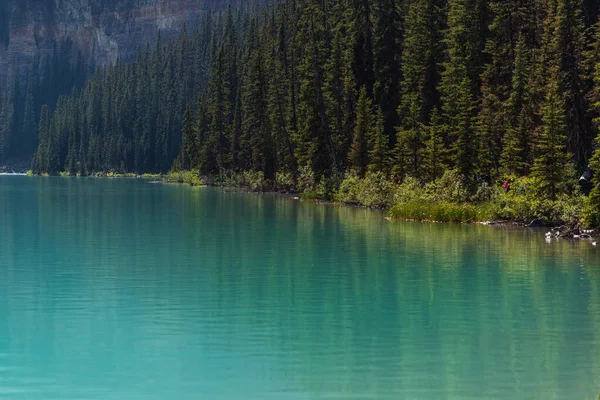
[121, 289]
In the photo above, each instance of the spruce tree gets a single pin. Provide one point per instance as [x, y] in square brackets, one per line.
[517, 145]
[313, 141]
[462, 125]
[278, 99]
[189, 148]
[256, 124]
[378, 144]
[592, 202]
[359, 30]
[420, 57]
[216, 155]
[359, 152]
[551, 163]
[334, 92]
[409, 141]
[386, 56]
[563, 45]
[464, 40]
[29, 136]
[434, 152]
[41, 154]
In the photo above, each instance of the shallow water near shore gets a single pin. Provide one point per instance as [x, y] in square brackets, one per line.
[121, 289]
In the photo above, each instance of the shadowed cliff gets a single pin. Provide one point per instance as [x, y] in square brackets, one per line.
[101, 29]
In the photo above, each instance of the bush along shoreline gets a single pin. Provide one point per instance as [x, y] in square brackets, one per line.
[517, 200]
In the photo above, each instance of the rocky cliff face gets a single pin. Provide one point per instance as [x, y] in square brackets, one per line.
[102, 29]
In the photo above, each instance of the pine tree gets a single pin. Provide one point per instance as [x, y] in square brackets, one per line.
[511, 153]
[386, 55]
[359, 152]
[563, 45]
[378, 144]
[216, 155]
[359, 28]
[592, 202]
[491, 128]
[334, 92]
[517, 144]
[420, 56]
[313, 141]
[41, 155]
[256, 125]
[278, 99]
[29, 136]
[206, 149]
[189, 148]
[551, 162]
[237, 133]
[409, 140]
[433, 155]
[464, 39]
[463, 129]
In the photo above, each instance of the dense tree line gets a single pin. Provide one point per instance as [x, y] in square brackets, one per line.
[22, 97]
[487, 88]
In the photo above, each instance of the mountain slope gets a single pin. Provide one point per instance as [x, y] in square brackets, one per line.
[102, 29]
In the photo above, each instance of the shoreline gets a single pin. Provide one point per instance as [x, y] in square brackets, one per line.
[190, 180]
[564, 232]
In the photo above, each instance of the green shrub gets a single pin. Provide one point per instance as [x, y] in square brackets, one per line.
[591, 212]
[568, 210]
[349, 189]
[374, 190]
[328, 187]
[310, 195]
[525, 202]
[284, 182]
[486, 193]
[306, 179]
[226, 178]
[191, 178]
[255, 181]
[411, 190]
[449, 188]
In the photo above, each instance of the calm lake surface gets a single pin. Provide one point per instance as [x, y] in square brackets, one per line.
[122, 289]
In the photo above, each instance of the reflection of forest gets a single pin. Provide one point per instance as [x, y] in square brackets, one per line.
[335, 299]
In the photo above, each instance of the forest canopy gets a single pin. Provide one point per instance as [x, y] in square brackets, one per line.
[406, 89]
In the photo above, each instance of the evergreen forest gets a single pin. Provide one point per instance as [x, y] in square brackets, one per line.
[489, 108]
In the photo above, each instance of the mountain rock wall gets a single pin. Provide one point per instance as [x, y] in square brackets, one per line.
[101, 29]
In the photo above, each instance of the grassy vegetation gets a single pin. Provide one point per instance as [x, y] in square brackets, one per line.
[191, 178]
[447, 199]
[113, 174]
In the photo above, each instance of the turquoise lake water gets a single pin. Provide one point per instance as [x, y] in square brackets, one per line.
[123, 289]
